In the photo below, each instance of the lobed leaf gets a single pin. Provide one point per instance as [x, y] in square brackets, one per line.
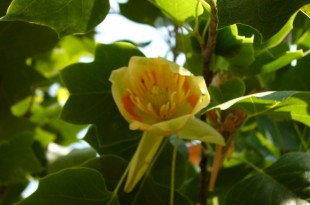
[180, 10]
[91, 100]
[148, 191]
[14, 67]
[17, 158]
[266, 16]
[285, 182]
[276, 104]
[77, 186]
[147, 11]
[65, 17]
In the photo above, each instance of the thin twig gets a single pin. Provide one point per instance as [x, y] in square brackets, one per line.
[175, 49]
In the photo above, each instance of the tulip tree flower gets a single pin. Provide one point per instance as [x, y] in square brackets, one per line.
[160, 98]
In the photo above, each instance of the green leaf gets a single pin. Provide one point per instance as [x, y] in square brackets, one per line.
[35, 39]
[294, 77]
[4, 4]
[278, 105]
[91, 101]
[27, 77]
[17, 158]
[73, 158]
[226, 179]
[266, 16]
[11, 125]
[110, 166]
[14, 67]
[77, 186]
[306, 10]
[230, 89]
[65, 17]
[269, 61]
[282, 61]
[125, 149]
[237, 49]
[63, 133]
[283, 134]
[160, 195]
[148, 191]
[285, 182]
[72, 48]
[147, 11]
[275, 39]
[161, 171]
[180, 10]
[12, 192]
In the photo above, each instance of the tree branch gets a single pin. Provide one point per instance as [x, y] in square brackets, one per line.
[209, 46]
[207, 50]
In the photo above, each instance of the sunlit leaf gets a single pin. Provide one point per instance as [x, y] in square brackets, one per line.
[65, 17]
[69, 50]
[279, 105]
[180, 10]
[282, 61]
[306, 9]
[48, 118]
[269, 61]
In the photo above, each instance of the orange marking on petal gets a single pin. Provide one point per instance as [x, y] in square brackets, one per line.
[153, 72]
[192, 99]
[186, 85]
[129, 107]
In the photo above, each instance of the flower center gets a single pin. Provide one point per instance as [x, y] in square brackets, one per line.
[159, 93]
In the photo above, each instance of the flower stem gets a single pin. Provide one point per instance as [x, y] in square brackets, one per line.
[174, 157]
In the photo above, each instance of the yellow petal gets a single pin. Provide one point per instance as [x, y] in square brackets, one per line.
[142, 158]
[205, 97]
[118, 79]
